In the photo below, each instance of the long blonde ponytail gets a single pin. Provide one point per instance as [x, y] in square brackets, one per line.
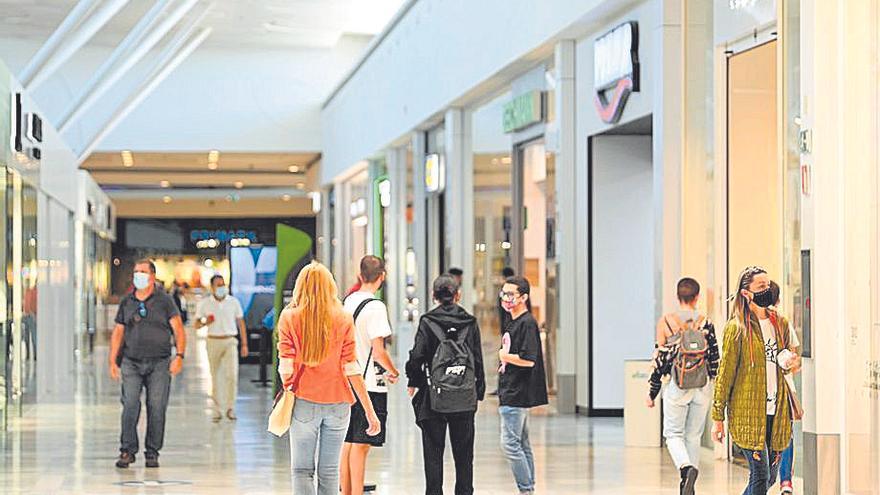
[317, 297]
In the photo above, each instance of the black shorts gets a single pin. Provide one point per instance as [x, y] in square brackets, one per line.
[357, 427]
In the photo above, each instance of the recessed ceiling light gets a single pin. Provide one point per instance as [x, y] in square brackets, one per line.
[293, 169]
[285, 197]
[166, 199]
[238, 184]
[164, 184]
[212, 165]
[127, 159]
[300, 185]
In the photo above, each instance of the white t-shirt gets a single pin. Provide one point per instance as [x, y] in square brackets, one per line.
[226, 314]
[371, 324]
[771, 351]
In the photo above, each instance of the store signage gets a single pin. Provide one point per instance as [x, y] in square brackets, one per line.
[616, 70]
[221, 236]
[523, 111]
[384, 188]
[435, 173]
[25, 126]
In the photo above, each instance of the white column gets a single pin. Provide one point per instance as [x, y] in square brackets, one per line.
[460, 198]
[566, 227]
[395, 257]
[419, 241]
[668, 154]
[326, 234]
[839, 107]
[341, 226]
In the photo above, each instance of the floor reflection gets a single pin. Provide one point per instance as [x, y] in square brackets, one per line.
[70, 448]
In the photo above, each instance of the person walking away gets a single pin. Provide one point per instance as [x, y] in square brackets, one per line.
[786, 464]
[749, 390]
[522, 383]
[180, 300]
[687, 350]
[448, 400]
[141, 355]
[371, 329]
[222, 314]
[318, 362]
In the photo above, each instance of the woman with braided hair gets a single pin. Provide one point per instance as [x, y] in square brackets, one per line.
[750, 391]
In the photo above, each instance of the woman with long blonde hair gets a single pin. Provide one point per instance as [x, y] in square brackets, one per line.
[317, 361]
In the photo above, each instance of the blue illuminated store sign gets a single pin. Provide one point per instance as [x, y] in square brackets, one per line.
[222, 235]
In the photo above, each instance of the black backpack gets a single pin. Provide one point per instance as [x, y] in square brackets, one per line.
[451, 377]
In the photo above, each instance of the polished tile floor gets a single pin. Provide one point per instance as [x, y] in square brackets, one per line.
[70, 448]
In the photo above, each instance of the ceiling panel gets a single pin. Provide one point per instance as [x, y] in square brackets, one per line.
[237, 23]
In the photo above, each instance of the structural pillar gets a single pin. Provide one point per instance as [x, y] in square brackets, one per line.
[420, 218]
[566, 227]
[459, 208]
[395, 257]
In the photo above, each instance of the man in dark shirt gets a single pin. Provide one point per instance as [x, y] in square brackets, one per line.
[140, 353]
[522, 383]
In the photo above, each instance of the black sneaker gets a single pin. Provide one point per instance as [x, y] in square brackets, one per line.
[125, 459]
[152, 462]
[688, 480]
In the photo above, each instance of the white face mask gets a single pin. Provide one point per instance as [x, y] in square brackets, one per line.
[141, 280]
[221, 292]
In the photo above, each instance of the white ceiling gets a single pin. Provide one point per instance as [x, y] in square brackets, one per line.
[236, 23]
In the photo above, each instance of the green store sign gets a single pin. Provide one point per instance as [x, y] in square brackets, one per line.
[524, 110]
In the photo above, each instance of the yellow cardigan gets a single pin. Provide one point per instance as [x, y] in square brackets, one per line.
[741, 388]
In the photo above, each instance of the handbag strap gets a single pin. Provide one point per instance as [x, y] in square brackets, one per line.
[294, 386]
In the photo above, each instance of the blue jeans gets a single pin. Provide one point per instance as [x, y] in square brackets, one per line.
[786, 464]
[684, 419]
[516, 446]
[154, 376]
[317, 432]
[763, 465]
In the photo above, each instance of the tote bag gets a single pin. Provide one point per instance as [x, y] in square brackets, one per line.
[282, 410]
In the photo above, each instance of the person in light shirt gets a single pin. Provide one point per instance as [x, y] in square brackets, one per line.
[224, 318]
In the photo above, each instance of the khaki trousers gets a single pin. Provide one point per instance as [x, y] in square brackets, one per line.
[223, 361]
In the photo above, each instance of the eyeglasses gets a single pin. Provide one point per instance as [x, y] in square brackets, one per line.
[508, 296]
[142, 309]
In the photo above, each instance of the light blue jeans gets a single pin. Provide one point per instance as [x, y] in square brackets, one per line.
[317, 433]
[685, 413]
[516, 446]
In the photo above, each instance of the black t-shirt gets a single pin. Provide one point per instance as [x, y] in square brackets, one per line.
[518, 386]
[150, 336]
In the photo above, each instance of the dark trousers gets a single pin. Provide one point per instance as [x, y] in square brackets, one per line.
[154, 376]
[763, 465]
[461, 435]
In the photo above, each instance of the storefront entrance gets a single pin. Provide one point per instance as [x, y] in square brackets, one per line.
[514, 229]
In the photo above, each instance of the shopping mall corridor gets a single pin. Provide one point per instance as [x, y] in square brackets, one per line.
[59, 449]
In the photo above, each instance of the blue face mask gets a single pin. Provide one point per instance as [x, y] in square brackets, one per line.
[141, 280]
[221, 292]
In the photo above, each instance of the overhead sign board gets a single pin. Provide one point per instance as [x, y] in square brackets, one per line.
[523, 111]
[615, 70]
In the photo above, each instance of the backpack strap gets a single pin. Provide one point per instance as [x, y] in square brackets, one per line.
[360, 308]
[357, 312]
[679, 326]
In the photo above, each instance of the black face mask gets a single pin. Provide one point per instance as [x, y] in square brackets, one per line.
[763, 299]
